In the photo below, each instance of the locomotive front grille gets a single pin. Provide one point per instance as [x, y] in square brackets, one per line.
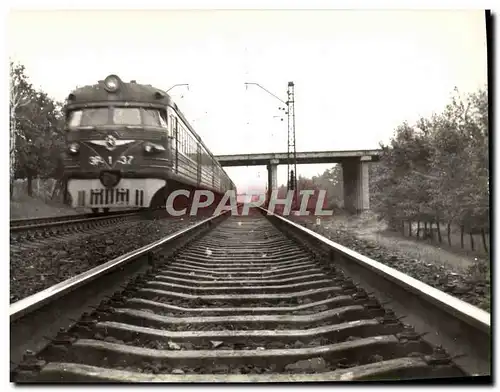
[81, 198]
[129, 193]
[139, 197]
[117, 196]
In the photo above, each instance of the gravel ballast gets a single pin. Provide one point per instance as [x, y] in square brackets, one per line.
[33, 270]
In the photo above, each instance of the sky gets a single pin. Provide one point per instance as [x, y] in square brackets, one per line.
[357, 74]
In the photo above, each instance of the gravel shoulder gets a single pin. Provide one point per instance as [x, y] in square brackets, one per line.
[33, 270]
[31, 207]
[467, 278]
[366, 227]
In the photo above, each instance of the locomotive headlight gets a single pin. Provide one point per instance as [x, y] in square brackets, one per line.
[111, 83]
[152, 147]
[73, 148]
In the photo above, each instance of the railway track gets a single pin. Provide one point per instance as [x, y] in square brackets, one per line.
[23, 224]
[245, 299]
[22, 230]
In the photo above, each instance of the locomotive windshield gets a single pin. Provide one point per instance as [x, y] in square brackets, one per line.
[151, 117]
[117, 116]
[88, 117]
[126, 116]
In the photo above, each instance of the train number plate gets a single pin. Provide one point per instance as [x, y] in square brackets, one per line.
[99, 161]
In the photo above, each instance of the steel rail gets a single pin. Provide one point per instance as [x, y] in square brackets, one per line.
[42, 315]
[457, 326]
[465, 327]
[35, 301]
[468, 313]
[44, 222]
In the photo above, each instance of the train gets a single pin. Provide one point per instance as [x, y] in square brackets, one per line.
[128, 145]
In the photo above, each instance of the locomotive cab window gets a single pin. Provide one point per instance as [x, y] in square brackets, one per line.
[119, 116]
[74, 118]
[127, 116]
[88, 117]
[163, 119]
[153, 118]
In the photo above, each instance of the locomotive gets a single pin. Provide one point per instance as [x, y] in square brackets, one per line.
[129, 146]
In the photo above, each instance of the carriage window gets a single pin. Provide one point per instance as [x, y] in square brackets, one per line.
[127, 116]
[151, 117]
[173, 122]
[183, 138]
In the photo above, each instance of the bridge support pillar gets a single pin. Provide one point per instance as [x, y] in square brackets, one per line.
[356, 185]
[272, 177]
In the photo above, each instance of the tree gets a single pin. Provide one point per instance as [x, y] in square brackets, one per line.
[437, 170]
[21, 93]
[331, 181]
[36, 130]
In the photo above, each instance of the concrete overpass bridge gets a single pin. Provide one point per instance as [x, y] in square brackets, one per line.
[354, 170]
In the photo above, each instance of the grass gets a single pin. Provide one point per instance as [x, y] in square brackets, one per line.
[40, 204]
[367, 227]
[455, 247]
